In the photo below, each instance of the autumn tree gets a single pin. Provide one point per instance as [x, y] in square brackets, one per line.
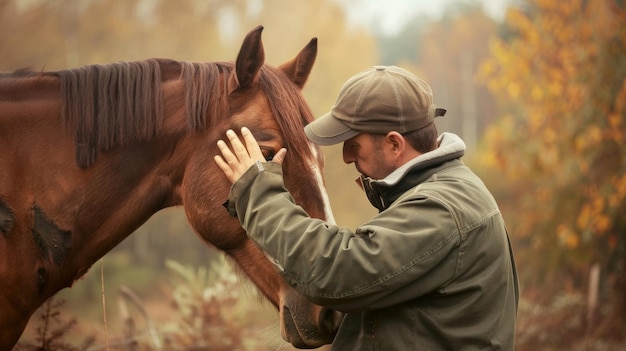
[560, 152]
[451, 50]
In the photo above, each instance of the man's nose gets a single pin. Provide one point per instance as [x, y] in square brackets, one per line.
[348, 154]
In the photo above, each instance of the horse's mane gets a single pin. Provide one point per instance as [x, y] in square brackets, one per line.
[18, 73]
[121, 103]
[290, 108]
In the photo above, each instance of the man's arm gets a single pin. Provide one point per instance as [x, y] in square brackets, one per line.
[331, 265]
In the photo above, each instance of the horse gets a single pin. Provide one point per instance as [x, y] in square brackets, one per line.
[89, 154]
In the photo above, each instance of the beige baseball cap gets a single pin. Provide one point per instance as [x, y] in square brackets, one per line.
[378, 100]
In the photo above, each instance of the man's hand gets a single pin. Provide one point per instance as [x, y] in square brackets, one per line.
[236, 162]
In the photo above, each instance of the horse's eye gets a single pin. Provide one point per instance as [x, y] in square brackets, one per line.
[268, 154]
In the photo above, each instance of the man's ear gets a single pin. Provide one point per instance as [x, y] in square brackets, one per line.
[397, 142]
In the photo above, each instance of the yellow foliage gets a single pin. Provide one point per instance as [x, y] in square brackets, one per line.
[620, 101]
[549, 155]
[537, 93]
[554, 89]
[602, 224]
[618, 195]
[513, 89]
[544, 195]
[594, 216]
[595, 134]
[572, 241]
[563, 144]
[567, 237]
[580, 144]
[584, 217]
[535, 120]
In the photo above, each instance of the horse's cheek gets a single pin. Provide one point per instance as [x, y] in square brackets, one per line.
[203, 200]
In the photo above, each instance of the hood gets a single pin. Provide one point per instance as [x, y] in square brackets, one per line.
[381, 193]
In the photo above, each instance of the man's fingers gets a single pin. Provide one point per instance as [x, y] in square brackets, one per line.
[228, 172]
[237, 158]
[280, 156]
[252, 145]
[238, 148]
[227, 155]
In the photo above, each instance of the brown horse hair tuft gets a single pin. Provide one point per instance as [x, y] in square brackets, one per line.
[98, 105]
[121, 103]
[202, 85]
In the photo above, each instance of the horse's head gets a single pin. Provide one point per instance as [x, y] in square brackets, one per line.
[269, 102]
[276, 115]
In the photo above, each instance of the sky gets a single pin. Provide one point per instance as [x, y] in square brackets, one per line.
[391, 15]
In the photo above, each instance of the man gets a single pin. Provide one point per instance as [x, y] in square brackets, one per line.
[433, 270]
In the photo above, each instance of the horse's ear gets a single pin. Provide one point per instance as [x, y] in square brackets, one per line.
[299, 68]
[249, 60]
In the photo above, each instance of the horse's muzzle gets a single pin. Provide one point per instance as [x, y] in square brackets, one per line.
[310, 334]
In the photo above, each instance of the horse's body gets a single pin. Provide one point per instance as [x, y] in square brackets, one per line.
[88, 155]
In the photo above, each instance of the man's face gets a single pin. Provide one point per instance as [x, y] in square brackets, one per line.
[369, 153]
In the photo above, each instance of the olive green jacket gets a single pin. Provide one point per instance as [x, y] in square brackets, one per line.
[433, 270]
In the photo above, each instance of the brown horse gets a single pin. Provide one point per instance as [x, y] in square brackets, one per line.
[89, 154]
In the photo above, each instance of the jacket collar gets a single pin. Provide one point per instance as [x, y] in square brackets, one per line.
[382, 193]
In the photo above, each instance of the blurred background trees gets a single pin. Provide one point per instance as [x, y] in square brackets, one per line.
[560, 73]
[538, 95]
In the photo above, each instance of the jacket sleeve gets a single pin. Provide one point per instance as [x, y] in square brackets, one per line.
[399, 255]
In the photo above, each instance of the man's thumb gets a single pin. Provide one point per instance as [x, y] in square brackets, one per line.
[280, 156]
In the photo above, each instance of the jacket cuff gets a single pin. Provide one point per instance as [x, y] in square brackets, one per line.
[242, 186]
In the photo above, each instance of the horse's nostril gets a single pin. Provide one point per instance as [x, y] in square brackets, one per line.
[331, 320]
[293, 338]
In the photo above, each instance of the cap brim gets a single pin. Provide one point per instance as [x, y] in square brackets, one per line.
[328, 130]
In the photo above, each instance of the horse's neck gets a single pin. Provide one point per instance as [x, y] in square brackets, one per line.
[91, 209]
[29, 110]
[28, 87]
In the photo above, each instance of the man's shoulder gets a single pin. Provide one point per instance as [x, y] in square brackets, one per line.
[452, 183]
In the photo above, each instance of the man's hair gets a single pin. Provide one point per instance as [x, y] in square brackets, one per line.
[423, 140]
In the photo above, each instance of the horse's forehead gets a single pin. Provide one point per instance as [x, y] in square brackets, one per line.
[255, 111]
